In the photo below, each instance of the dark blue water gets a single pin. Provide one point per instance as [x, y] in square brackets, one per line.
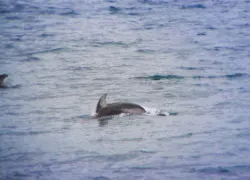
[189, 59]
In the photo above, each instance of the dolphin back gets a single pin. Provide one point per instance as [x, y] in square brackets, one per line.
[119, 108]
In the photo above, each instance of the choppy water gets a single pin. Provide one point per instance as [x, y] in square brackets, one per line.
[190, 59]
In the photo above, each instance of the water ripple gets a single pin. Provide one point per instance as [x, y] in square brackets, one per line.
[178, 77]
[160, 77]
[114, 9]
[193, 6]
[231, 170]
[46, 51]
[212, 170]
[153, 2]
[28, 133]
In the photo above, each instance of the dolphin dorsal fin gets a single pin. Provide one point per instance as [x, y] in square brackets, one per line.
[2, 77]
[101, 103]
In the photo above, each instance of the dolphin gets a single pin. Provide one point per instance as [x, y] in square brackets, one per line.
[2, 77]
[104, 109]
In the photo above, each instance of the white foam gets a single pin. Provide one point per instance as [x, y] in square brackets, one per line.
[155, 112]
[122, 114]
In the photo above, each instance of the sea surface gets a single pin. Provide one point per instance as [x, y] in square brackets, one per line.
[187, 59]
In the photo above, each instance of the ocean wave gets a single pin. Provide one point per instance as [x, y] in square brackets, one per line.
[230, 170]
[131, 11]
[211, 170]
[26, 7]
[228, 76]
[178, 77]
[160, 77]
[153, 2]
[30, 133]
[193, 6]
[114, 9]
[96, 43]
[45, 51]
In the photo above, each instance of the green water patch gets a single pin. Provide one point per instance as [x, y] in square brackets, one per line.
[109, 43]
[193, 6]
[184, 135]
[173, 113]
[178, 77]
[213, 170]
[227, 76]
[114, 9]
[160, 77]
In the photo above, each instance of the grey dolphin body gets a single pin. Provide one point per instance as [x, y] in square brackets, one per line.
[2, 77]
[104, 109]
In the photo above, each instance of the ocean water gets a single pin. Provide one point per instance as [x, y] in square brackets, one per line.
[188, 59]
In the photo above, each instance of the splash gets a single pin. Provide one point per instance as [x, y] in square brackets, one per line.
[155, 112]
